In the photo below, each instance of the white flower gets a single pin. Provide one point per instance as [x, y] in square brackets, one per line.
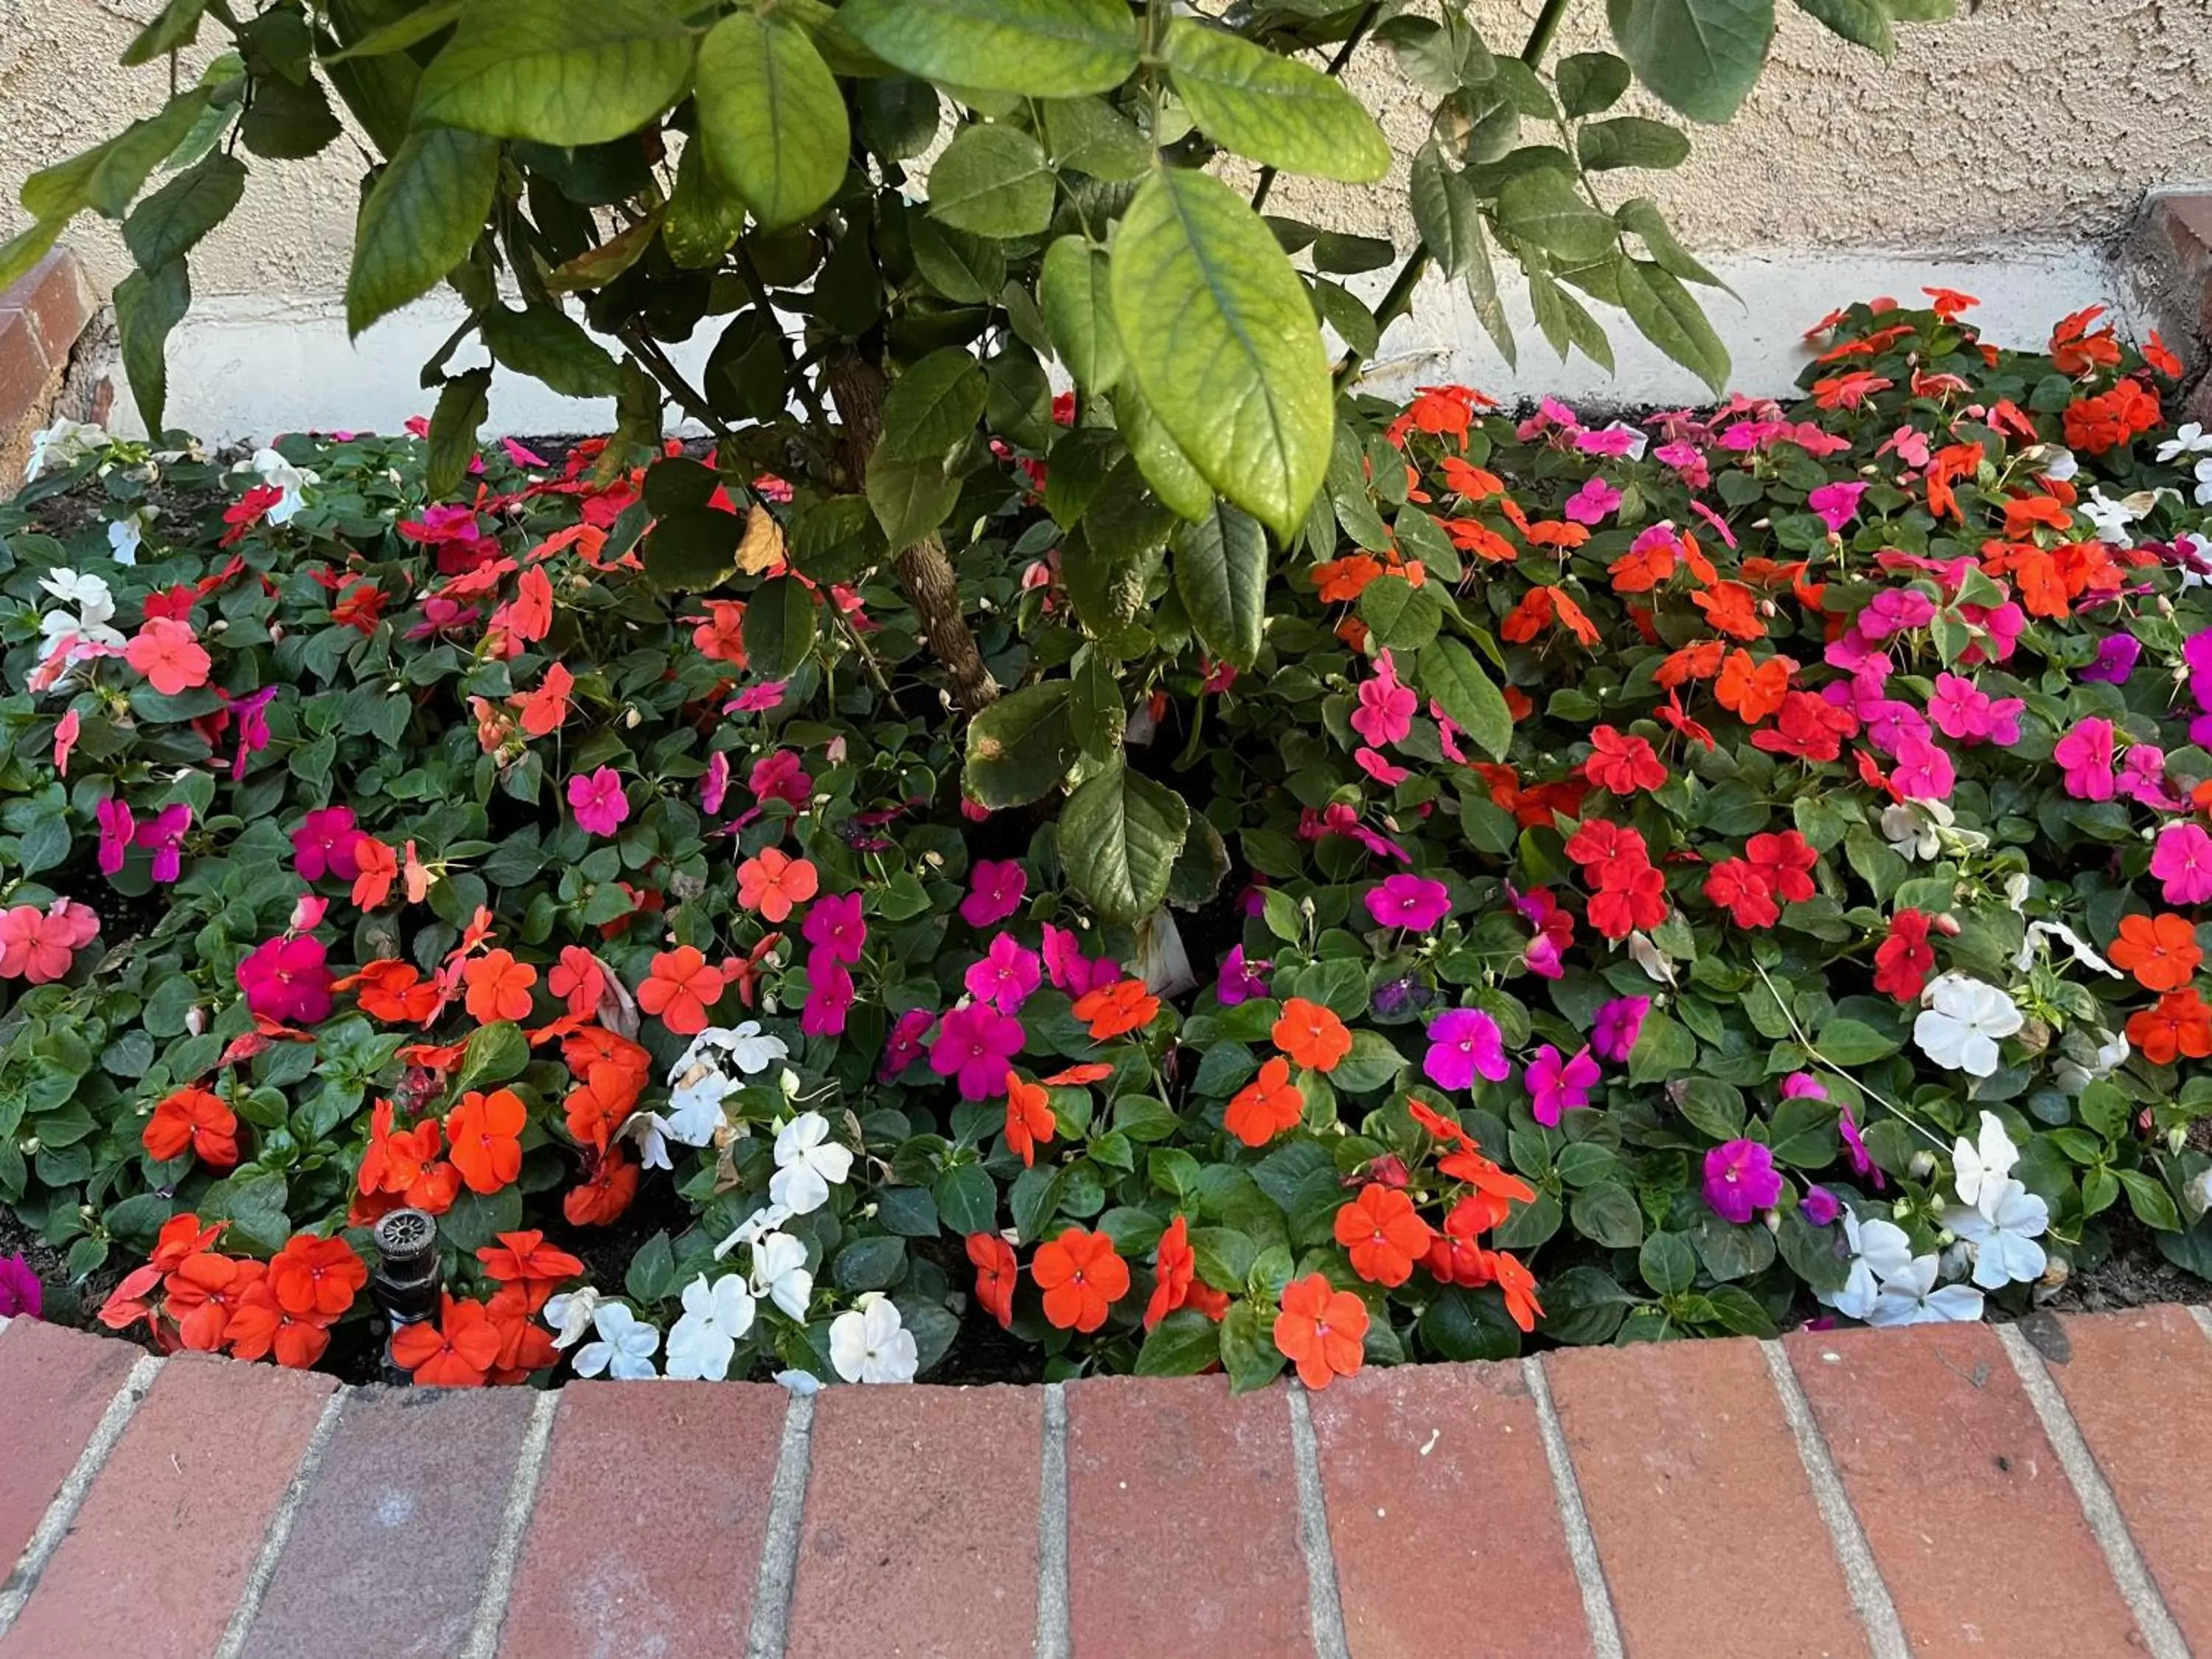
[1960, 1028]
[2195, 559]
[63, 444]
[808, 1163]
[1911, 1299]
[695, 1112]
[749, 1048]
[624, 1350]
[93, 600]
[2060, 464]
[2204, 483]
[652, 1133]
[126, 534]
[2083, 953]
[869, 1343]
[1880, 1251]
[280, 474]
[2189, 438]
[1979, 1166]
[1910, 829]
[1161, 961]
[569, 1313]
[717, 1313]
[780, 1273]
[2112, 518]
[754, 1228]
[2002, 1228]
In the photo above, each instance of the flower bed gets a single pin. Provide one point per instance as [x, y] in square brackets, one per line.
[1809, 926]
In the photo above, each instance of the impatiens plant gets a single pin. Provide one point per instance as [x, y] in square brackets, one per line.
[1647, 879]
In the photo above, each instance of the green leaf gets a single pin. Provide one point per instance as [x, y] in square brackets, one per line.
[1118, 835]
[402, 32]
[1039, 48]
[692, 549]
[557, 71]
[967, 1199]
[1165, 467]
[1543, 207]
[1089, 134]
[493, 1054]
[1223, 344]
[1862, 22]
[1668, 1263]
[147, 305]
[1848, 1042]
[423, 216]
[288, 122]
[462, 406]
[1072, 293]
[1181, 1344]
[1445, 211]
[1449, 672]
[992, 181]
[705, 215]
[1249, 1354]
[1606, 1214]
[779, 627]
[1020, 747]
[1631, 141]
[169, 223]
[1641, 217]
[550, 345]
[771, 118]
[1271, 108]
[27, 247]
[105, 176]
[1400, 616]
[2148, 1197]
[1589, 82]
[932, 406]
[174, 27]
[1662, 309]
[1701, 56]
[1221, 574]
[910, 499]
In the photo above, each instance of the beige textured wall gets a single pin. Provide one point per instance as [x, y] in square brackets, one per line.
[2024, 120]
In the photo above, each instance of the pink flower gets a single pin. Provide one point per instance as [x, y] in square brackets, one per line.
[1005, 976]
[1925, 771]
[1837, 504]
[252, 713]
[1464, 1044]
[1739, 1179]
[1594, 504]
[2183, 861]
[1558, 1085]
[1896, 611]
[903, 1047]
[324, 844]
[39, 946]
[2086, 752]
[66, 735]
[1414, 901]
[716, 784]
[2142, 779]
[1385, 714]
[778, 775]
[165, 833]
[755, 699]
[287, 980]
[1908, 444]
[1966, 714]
[1619, 1024]
[117, 827]
[521, 457]
[834, 927]
[995, 890]
[1069, 969]
[165, 651]
[598, 800]
[1371, 762]
[829, 996]
[974, 1045]
[1239, 981]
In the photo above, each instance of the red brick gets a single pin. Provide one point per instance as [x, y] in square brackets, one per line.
[23, 369]
[57, 1384]
[1182, 1521]
[2139, 1385]
[411, 1491]
[1972, 1523]
[161, 1550]
[1436, 1474]
[1683, 1455]
[921, 1531]
[646, 1534]
[55, 298]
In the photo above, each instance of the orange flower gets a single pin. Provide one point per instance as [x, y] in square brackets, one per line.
[2179, 1024]
[1383, 1233]
[1321, 1330]
[721, 633]
[1520, 1287]
[499, 987]
[1342, 580]
[1542, 605]
[392, 991]
[996, 1270]
[194, 1120]
[2161, 951]
[404, 1162]
[1556, 533]
[316, 1278]
[525, 1345]
[525, 1258]
[1266, 1106]
[578, 980]
[260, 1328]
[544, 709]
[1311, 1036]
[1732, 608]
[1172, 1271]
[1030, 1122]
[1116, 1010]
[601, 1104]
[774, 883]
[454, 1352]
[682, 985]
[486, 1134]
[1700, 661]
[1643, 567]
[1472, 536]
[1081, 1276]
[1848, 391]
[1075, 1077]
[1474, 482]
[379, 866]
[2023, 514]
[203, 1292]
[610, 1183]
[1752, 689]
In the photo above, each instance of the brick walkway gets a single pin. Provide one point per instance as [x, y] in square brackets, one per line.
[1934, 1491]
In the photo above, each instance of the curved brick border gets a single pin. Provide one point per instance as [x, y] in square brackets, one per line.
[1948, 1490]
[41, 318]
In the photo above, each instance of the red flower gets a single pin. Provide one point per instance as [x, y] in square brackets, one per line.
[1904, 960]
[194, 1120]
[499, 987]
[1173, 1270]
[260, 1327]
[1786, 860]
[1742, 889]
[996, 1270]
[1383, 1234]
[486, 1133]
[525, 1258]
[203, 1292]
[1116, 1010]
[404, 1162]
[1321, 1330]
[1810, 726]
[1312, 1035]
[316, 1278]
[1623, 764]
[1081, 1277]
[609, 1184]
[454, 1352]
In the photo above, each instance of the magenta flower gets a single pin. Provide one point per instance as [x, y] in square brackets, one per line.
[1924, 770]
[778, 775]
[1619, 1024]
[829, 996]
[1740, 1178]
[714, 787]
[1240, 981]
[1820, 1206]
[833, 925]
[323, 845]
[1594, 504]
[1803, 1085]
[1896, 611]
[976, 1044]
[598, 800]
[2086, 752]
[1385, 714]
[165, 833]
[1464, 1044]
[22, 1296]
[994, 892]
[1371, 761]
[903, 1047]
[252, 712]
[1414, 901]
[755, 699]
[1069, 969]
[1005, 976]
[2183, 861]
[1557, 1084]
[1862, 1164]
[2115, 660]
[2142, 779]
[287, 980]
[117, 828]
[1837, 504]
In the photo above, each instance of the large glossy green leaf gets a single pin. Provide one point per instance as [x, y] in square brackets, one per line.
[174, 27]
[1445, 211]
[462, 406]
[1631, 141]
[1223, 344]
[1671, 319]
[1020, 747]
[1221, 572]
[1073, 294]
[910, 499]
[1449, 672]
[550, 345]
[147, 305]
[1040, 48]
[1271, 108]
[779, 627]
[419, 221]
[1862, 22]
[105, 176]
[992, 181]
[932, 406]
[1118, 835]
[1701, 56]
[1543, 208]
[169, 223]
[1165, 467]
[771, 117]
[561, 71]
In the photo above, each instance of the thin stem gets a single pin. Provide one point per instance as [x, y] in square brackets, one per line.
[868, 658]
[1360, 29]
[1394, 306]
[672, 381]
[1547, 25]
[1819, 1059]
[758, 289]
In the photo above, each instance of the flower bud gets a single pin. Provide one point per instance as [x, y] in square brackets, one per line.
[789, 1082]
[1922, 1166]
[631, 718]
[196, 1021]
[1946, 923]
[1771, 1220]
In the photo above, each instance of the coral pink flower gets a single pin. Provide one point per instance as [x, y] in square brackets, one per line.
[38, 945]
[165, 651]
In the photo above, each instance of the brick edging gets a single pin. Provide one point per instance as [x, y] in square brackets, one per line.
[1882, 1490]
[41, 318]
